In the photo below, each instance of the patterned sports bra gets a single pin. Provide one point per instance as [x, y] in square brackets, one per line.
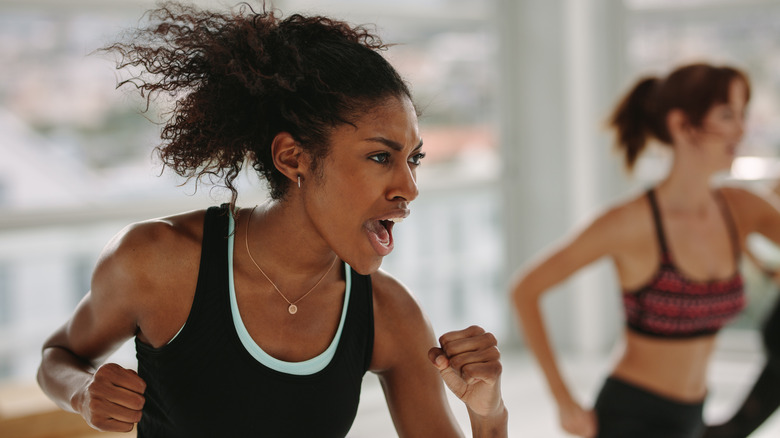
[673, 306]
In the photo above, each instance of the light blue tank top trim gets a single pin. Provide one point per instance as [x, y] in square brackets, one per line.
[303, 368]
[177, 333]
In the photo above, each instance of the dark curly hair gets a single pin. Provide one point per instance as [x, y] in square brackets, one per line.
[241, 77]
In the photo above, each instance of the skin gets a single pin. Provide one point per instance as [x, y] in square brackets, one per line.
[700, 246]
[145, 282]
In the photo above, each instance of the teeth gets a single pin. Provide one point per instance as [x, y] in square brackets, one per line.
[396, 219]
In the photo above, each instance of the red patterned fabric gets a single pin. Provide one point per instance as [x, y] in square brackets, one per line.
[671, 305]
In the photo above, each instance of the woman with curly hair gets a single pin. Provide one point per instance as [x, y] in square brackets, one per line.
[262, 321]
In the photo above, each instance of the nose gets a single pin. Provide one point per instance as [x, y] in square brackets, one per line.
[404, 184]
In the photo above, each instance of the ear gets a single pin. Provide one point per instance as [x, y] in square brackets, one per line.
[679, 126]
[288, 156]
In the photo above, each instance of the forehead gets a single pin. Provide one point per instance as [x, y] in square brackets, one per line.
[393, 118]
[394, 110]
[738, 91]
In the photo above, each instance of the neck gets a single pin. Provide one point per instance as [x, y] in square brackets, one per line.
[687, 187]
[284, 243]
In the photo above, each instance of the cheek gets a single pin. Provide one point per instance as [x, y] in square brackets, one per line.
[337, 201]
[722, 130]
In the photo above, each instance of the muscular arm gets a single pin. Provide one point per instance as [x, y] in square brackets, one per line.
[105, 318]
[412, 383]
[124, 289]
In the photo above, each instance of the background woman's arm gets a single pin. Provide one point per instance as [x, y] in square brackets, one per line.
[587, 246]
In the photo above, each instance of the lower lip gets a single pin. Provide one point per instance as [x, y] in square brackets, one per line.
[377, 244]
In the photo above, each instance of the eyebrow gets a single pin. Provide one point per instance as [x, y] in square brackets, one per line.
[393, 144]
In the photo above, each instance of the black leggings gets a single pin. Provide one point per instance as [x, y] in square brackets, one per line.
[625, 410]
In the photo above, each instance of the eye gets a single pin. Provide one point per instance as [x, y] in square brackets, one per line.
[416, 158]
[381, 158]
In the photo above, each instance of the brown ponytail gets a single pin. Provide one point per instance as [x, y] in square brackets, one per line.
[632, 118]
[693, 89]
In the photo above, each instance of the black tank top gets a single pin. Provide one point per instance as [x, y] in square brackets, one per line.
[205, 383]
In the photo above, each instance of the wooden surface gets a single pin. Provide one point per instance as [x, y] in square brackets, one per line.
[25, 412]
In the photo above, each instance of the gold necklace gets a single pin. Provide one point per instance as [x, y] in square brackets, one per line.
[293, 309]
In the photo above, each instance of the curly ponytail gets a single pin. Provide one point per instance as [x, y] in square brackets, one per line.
[245, 76]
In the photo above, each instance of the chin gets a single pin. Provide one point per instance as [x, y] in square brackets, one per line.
[367, 266]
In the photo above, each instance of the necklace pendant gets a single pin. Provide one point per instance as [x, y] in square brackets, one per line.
[293, 309]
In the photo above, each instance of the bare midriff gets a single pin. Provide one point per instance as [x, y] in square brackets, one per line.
[672, 368]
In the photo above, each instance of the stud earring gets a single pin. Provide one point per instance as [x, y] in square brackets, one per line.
[299, 181]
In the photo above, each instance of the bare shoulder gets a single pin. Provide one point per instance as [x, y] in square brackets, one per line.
[152, 243]
[753, 209]
[619, 222]
[740, 197]
[612, 232]
[627, 211]
[148, 256]
[142, 285]
[399, 322]
[389, 290]
[393, 301]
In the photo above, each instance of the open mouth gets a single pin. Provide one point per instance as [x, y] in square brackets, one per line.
[380, 233]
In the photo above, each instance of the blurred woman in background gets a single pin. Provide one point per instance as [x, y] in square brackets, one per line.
[676, 249]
